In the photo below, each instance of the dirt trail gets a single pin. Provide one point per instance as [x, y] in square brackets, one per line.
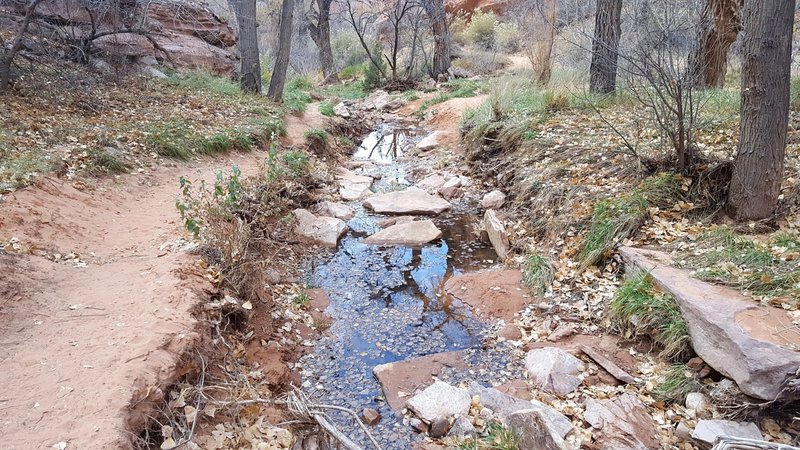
[86, 350]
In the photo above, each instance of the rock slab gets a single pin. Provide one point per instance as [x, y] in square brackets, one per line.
[493, 293]
[322, 230]
[439, 401]
[717, 318]
[503, 405]
[622, 423]
[554, 370]
[337, 210]
[399, 379]
[535, 430]
[497, 233]
[409, 233]
[430, 141]
[409, 201]
[493, 200]
[707, 431]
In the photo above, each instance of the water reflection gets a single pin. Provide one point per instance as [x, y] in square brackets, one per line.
[385, 144]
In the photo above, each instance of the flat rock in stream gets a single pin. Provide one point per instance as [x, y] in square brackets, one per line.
[409, 201]
[337, 210]
[739, 338]
[400, 379]
[439, 401]
[407, 233]
[353, 191]
[322, 230]
[430, 141]
[493, 293]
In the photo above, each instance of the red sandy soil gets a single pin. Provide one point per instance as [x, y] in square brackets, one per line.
[297, 124]
[86, 352]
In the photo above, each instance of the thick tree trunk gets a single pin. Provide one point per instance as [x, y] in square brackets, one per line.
[321, 35]
[605, 45]
[541, 47]
[284, 48]
[441, 35]
[245, 11]
[766, 64]
[719, 27]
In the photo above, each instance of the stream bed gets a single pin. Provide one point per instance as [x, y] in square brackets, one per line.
[387, 305]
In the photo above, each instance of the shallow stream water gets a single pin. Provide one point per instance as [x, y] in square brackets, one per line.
[387, 305]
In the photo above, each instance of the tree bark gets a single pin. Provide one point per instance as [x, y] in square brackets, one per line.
[321, 35]
[605, 45]
[441, 36]
[250, 77]
[541, 50]
[767, 57]
[720, 25]
[8, 55]
[278, 80]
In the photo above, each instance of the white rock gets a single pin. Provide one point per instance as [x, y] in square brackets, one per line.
[341, 110]
[407, 233]
[432, 182]
[707, 431]
[337, 210]
[430, 141]
[439, 401]
[554, 370]
[323, 230]
[409, 201]
[697, 402]
[497, 233]
[152, 72]
[493, 200]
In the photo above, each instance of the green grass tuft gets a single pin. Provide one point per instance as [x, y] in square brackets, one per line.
[675, 383]
[638, 306]
[538, 273]
[19, 169]
[326, 108]
[103, 160]
[173, 139]
[316, 134]
[226, 141]
[204, 81]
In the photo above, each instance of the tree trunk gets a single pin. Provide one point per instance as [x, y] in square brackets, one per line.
[284, 48]
[766, 64]
[441, 35]
[321, 35]
[541, 50]
[245, 11]
[719, 27]
[605, 45]
[9, 53]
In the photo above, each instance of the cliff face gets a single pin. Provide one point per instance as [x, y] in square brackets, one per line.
[183, 33]
[470, 6]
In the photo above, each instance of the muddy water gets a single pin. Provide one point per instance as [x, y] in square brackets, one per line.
[387, 305]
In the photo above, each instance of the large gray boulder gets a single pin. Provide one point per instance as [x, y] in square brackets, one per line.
[407, 233]
[622, 423]
[554, 370]
[439, 401]
[409, 201]
[731, 333]
[503, 405]
[321, 230]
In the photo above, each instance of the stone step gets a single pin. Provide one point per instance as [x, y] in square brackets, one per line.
[751, 344]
